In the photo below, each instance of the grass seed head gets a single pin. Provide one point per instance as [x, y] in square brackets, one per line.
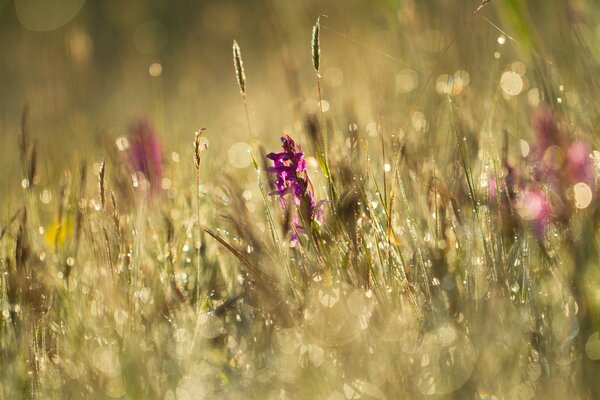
[197, 149]
[101, 184]
[238, 63]
[316, 44]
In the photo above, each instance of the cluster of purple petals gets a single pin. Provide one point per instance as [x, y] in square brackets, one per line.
[292, 183]
[145, 152]
[556, 159]
[555, 163]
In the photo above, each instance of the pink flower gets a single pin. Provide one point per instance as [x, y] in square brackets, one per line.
[555, 163]
[533, 205]
[546, 128]
[290, 171]
[145, 153]
[580, 167]
[546, 154]
[291, 179]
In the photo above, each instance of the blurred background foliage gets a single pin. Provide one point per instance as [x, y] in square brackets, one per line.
[84, 67]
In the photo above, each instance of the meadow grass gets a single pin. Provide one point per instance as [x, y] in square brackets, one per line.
[441, 242]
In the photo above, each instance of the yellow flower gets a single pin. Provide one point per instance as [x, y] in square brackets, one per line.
[59, 231]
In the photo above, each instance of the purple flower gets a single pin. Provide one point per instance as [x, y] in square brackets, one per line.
[533, 205]
[580, 167]
[546, 155]
[145, 153]
[291, 182]
[546, 128]
[555, 163]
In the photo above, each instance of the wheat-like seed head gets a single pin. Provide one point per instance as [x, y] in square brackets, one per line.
[483, 3]
[316, 44]
[197, 149]
[238, 63]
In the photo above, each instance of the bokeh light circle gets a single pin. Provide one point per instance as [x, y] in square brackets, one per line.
[45, 15]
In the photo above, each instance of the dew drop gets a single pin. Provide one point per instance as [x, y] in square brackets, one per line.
[511, 83]
[155, 70]
[239, 155]
[582, 195]
[592, 346]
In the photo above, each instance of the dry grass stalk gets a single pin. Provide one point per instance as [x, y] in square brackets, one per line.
[115, 215]
[101, 184]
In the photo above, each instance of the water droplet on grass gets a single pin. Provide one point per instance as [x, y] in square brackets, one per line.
[240, 155]
[582, 195]
[511, 83]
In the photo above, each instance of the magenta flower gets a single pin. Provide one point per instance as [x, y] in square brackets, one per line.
[533, 205]
[291, 181]
[546, 128]
[555, 163]
[546, 156]
[145, 153]
[290, 171]
[580, 167]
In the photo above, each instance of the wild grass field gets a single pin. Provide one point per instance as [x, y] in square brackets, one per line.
[266, 199]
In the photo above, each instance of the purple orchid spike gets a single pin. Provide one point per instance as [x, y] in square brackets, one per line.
[145, 153]
[546, 128]
[533, 205]
[291, 178]
[555, 163]
[580, 167]
[546, 155]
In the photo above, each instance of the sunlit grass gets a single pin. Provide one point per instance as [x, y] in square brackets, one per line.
[431, 231]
